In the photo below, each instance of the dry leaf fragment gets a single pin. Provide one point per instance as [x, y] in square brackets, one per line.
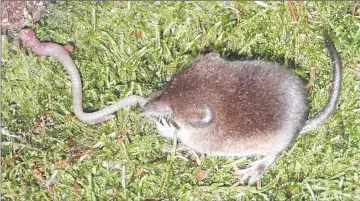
[142, 172]
[59, 164]
[15, 157]
[201, 175]
[76, 188]
[68, 47]
[68, 116]
[38, 122]
[47, 112]
[312, 78]
[112, 191]
[138, 33]
[37, 173]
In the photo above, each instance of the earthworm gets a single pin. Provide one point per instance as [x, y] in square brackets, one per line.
[29, 40]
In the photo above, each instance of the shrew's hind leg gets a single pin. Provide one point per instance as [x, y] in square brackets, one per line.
[255, 169]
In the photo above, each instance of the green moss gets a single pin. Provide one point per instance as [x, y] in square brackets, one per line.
[114, 62]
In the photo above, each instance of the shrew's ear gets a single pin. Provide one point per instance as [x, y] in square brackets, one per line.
[207, 116]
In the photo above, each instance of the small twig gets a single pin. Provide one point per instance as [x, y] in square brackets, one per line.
[300, 3]
[237, 13]
[312, 78]
[13, 136]
[182, 147]
[123, 175]
[311, 191]
[195, 156]
[234, 10]
[261, 3]
[84, 155]
[356, 178]
[76, 188]
[5, 132]
[258, 182]
[309, 16]
[354, 9]
[112, 165]
[292, 11]
[172, 158]
[51, 181]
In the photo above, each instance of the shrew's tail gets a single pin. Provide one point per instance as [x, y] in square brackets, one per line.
[335, 90]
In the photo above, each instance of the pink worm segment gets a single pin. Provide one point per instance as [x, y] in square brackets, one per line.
[27, 36]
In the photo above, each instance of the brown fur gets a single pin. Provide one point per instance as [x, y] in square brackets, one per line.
[239, 108]
[247, 97]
